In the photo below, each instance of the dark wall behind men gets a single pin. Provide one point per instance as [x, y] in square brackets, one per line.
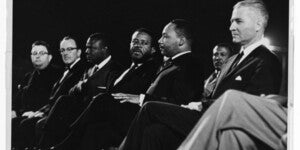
[50, 20]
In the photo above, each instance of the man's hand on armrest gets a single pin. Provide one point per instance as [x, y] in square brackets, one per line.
[123, 97]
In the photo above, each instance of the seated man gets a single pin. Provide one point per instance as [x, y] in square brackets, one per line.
[94, 80]
[221, 54]
[105, 121]
[238, 120]
[33, 92]
[254, 70]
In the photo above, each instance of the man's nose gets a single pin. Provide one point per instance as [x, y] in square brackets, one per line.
[232, 27]
[87, 50]
[159, 41]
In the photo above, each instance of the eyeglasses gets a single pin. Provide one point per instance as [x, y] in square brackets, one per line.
[143, 43]
[41, 53]
[69, 49]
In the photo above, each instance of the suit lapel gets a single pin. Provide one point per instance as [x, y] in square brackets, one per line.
[240, 67]
[164, 68]
[225, 70]
[99, 71]
[161, 74]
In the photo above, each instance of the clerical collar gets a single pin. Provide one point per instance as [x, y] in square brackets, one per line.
[179, 54]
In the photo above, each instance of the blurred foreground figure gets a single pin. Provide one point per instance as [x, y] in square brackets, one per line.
[34, 91]
[240, 121]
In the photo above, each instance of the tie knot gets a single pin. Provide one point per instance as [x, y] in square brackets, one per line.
[241, 53]
[67, 68]
[167, 62]
[134, 66]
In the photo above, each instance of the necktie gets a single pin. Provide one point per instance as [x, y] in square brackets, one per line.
[95, 69]
[236, 61]
[67, 69]
[126, 73]
[166, 64]
[210, 84]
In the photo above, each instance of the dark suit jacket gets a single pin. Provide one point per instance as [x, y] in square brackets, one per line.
[178, 83]
[35, 89]
[62, 88]
[134, 83]
[96, 83]
[138, 81]
[259, 73]
[103, 106]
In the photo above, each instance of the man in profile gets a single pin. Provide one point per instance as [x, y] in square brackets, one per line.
[180, 78]
[254, 70]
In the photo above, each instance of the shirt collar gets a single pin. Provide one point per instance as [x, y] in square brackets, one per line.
[74, 62]
[179, 54]
[104, 62]
[138, 65]
[251, 47]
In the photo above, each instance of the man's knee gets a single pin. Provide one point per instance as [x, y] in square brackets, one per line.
[155, 131]
[151, 107]
[231, 96]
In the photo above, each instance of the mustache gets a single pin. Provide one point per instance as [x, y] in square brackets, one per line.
[161, 47]
[136, 49]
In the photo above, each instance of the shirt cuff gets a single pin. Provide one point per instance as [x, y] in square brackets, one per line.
[142, 97]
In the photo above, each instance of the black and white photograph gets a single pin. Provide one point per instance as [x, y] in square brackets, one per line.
[150, 75]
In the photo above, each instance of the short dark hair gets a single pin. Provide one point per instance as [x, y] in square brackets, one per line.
[183, 28]
[149, 32]
[69, 37]
[43, 43]
[226, 46]
[100, 37]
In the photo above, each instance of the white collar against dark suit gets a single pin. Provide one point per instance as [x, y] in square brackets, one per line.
[73, 64]
[179, 54]
[104, 62]
[126, 71]
[68, 70]
[250, 48]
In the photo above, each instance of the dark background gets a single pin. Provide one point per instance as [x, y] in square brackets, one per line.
[51, 20]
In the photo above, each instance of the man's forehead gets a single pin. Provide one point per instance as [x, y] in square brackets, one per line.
[242, 11]
[169, 27]
[141, 35]
[68, 42]
[220, 49]
[93, 41]
[39, 48]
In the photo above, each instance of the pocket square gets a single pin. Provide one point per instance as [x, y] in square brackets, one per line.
[238, 78]
[101, 87]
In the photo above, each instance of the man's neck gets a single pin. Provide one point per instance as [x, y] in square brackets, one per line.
[180, 53]
[254, 40]
[74, 62]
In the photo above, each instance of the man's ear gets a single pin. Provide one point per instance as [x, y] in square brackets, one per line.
[105, 48]
[79, 52]
[259, 24]
[153, 50]
[50, 57]
[182, 40]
